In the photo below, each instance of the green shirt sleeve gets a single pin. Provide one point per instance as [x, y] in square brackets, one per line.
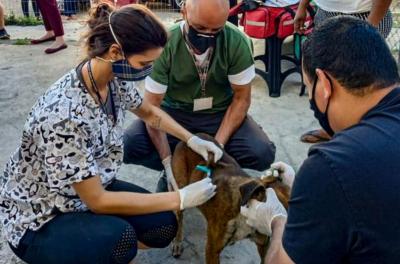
[162, 67]
[240, 53]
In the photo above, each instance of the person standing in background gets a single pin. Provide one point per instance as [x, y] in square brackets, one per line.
[53, 25]
[233, 19]
[3, 32]
[25, 8]
[375, 12]
[70, 9]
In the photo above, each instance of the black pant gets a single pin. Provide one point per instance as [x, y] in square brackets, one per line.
[86, 238]
[233, 19]
[25, 8]
[249, 145]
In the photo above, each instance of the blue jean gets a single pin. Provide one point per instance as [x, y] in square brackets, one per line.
[25, 7]
[70, 7]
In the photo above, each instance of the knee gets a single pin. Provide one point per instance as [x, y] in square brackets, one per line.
[163, 234]
[136, 143]
[126, 247]
[263, 155]
[266, 155]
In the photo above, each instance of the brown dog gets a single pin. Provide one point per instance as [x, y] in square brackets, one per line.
[225, 224]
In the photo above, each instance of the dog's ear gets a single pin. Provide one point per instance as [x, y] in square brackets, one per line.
[252, 190]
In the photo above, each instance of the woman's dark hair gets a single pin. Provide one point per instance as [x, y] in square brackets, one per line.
[353, 52]
[136, 28]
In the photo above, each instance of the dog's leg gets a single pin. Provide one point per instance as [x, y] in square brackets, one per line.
[262, 242]
[182, 176]
[262, 250]
[177, 247]
[215, 241]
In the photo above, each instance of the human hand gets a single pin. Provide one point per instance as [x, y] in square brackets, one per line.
[196, 193]
[260, 214]
[283, 170]
[202, 147]
[300, 20]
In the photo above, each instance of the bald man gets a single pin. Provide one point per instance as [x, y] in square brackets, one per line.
[203, 80]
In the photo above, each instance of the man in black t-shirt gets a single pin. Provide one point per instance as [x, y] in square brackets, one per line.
[345, 200]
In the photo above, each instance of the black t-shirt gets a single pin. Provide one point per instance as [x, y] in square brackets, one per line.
[345, 203]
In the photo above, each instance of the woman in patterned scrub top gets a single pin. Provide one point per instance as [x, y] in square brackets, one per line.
[60, 200]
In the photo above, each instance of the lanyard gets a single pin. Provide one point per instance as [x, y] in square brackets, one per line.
[202, 68]
[102, 105]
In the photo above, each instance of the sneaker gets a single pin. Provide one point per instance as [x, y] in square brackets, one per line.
[4, 34]
[162, 185]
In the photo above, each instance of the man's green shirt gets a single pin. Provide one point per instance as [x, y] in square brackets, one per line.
[176, 75]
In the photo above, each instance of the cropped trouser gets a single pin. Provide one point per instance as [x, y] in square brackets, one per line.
[51, 16]
[88, 238]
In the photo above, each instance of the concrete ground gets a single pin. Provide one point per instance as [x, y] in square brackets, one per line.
[26, 72]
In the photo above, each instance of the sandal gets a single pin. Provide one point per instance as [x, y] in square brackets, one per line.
[315, 136]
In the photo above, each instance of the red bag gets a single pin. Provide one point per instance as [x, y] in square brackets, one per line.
[265, 21]
[256, 23]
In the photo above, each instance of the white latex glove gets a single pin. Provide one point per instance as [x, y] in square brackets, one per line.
[260, 215]
[283, 170]
[197, 193]
[172, 185]
[202, 147]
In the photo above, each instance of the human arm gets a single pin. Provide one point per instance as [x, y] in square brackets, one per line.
[160, 141]
[158, 137]
[101, 201]
[160, 120]
[276, 252]
[378, 11]
[241, 73]
[235, 113]
[70, 161]
[300, 18]
[157, 119]
[316, 199]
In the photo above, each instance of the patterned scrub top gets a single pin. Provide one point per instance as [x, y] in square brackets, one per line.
[66, 139]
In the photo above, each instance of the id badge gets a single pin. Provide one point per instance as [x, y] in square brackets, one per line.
[202, 104]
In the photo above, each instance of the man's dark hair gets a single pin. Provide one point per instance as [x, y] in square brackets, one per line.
[353, 52]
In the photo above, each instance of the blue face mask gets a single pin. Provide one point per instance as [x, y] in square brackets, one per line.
[124, 71]
[122, 68]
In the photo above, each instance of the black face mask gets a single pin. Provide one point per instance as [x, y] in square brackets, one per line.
[200, 42]
[321, 117]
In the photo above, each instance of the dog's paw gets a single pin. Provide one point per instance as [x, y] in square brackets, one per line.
[177, 249]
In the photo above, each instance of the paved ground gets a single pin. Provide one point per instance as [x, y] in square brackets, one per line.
[26, 73]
